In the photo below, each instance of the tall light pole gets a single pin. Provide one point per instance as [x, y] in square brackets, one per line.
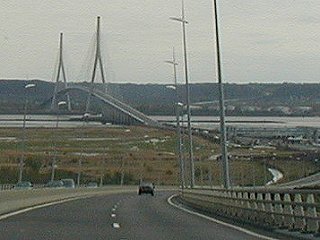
[79, 171]
[184, 22]
[177, 110]
[85, 122]
[224, 153]
[22, 158]
[180, 106]
[54, 160]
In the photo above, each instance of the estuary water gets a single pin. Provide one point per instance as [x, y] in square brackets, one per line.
[205, 122]
[212, 122]
[45, 121]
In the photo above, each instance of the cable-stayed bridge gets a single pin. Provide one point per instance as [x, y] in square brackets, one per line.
[114, 111]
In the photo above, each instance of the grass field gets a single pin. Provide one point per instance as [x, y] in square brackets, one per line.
[134, 153]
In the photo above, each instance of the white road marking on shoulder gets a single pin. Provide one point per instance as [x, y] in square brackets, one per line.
[169, 200]
[28, 209]
[115, 225]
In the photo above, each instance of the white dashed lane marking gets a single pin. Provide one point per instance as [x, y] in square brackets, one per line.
[113, 215]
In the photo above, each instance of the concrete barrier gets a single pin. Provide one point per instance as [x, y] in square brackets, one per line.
[18, 199]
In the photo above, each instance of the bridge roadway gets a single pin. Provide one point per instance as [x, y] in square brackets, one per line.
[135, 217]
[133, 115]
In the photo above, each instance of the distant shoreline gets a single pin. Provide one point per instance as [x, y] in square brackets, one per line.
[231, 121]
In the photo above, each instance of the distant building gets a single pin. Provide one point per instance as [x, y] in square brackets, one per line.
[214, 107]
[230, 108]
[280, 109]
[302, 109]
[192, 107]
[248, 109]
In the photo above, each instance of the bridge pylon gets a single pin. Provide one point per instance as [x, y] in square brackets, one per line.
[97, 60]
[58, 86]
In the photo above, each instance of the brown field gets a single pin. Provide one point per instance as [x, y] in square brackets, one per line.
[134, 152]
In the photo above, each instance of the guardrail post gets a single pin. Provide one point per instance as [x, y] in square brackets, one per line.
[253, 206]
[235, 204]
[219, 200]
[288, 220]
[261, 207]
[269, 209]
[246, 206]
[278, 210]
[229, 209]
[300, 221]
[226, 199]
[240, 212]
[312, 224]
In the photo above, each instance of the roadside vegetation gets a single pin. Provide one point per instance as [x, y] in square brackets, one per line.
[127, 154]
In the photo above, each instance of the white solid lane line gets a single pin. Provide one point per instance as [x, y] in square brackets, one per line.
[169, 200]
[4, 216]
[116, 225]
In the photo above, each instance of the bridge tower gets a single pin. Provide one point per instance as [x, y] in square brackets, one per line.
[97, 60]
[58, 86]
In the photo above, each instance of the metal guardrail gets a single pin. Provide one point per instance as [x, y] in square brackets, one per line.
[4, 187]
[292, 209]
[7, 187]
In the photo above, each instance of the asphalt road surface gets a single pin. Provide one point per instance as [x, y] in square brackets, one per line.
[121, 216]
[312, 180]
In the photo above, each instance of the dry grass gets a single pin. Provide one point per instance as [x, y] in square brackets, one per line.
[139, 152]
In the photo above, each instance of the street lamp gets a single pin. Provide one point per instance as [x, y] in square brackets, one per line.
[22, 158]
[224, 153]
[178, 105]
[54, 145]
[85, 118]
[265, 166]
[183, 23]
[253, 175]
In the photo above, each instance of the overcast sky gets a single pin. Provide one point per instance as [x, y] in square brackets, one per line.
[262, 40]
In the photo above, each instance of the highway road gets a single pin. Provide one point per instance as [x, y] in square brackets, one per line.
[312, 180]
[120, 216]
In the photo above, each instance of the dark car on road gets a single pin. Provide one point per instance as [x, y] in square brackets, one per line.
[23, 186]
[68, 183]
[54, 184]
[92, 185]
[146, 188]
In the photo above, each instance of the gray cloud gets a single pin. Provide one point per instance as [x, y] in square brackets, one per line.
[266, 41]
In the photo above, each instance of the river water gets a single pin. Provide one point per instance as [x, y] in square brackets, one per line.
[45, 121]
[256, 122]
[198, 121]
